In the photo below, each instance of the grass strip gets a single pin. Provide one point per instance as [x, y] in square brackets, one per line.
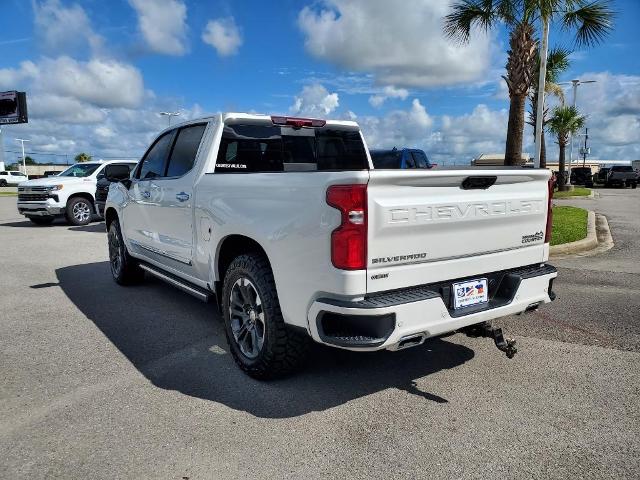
[569, 224]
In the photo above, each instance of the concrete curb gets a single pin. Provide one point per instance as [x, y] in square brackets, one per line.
[588, 243]
[577, 197]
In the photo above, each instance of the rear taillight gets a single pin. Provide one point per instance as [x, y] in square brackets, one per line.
[547, 232]
[349, 240]
[296, 122]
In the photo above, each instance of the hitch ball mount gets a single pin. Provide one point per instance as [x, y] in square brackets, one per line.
[486, 330]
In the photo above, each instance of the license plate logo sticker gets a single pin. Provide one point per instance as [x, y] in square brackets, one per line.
[472, 292]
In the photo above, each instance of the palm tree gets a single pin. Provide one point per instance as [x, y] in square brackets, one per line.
[565, 121]
[590, 19]
[557, 62]
[83, 157]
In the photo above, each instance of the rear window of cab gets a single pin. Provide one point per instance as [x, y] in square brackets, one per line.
[248, 148]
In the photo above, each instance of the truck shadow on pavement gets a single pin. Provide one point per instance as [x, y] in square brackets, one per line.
[178, 343]
[95, 226]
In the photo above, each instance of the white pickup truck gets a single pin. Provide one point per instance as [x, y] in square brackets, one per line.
[286, 222]
[70, 193]
[11, 178]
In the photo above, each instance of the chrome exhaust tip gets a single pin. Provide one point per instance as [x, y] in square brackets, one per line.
[411, 341]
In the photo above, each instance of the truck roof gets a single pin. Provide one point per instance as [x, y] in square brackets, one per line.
[257, 117]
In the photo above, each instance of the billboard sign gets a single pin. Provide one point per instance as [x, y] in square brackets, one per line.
[13, 107]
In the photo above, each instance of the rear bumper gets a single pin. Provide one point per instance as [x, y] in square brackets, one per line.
[40, 209]
[389, 320]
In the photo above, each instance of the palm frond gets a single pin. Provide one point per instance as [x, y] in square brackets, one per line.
[465, 15]
[508, 10]
[566, 120]
[554, 89]
[557, 62]
[592, 22]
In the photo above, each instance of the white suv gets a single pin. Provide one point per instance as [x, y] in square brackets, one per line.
[10, 178]
[70, 193]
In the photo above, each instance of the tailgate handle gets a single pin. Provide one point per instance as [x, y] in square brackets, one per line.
[478, 183]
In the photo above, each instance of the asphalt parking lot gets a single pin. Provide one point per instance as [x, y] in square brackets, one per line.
[101, 381]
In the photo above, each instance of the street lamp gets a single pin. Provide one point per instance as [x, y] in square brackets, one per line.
[24, 161]
[169, 115]
[575, 82]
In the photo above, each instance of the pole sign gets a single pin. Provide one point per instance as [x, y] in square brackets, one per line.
[13, 107]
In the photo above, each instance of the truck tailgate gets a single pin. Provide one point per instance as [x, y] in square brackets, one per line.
[424, 226]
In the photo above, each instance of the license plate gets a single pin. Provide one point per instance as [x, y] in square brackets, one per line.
[471, 292]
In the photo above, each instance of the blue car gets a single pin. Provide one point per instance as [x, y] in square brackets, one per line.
[400, 158]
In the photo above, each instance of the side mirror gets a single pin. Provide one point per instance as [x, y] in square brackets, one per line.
[116, 172]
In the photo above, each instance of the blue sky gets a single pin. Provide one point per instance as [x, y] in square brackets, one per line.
[97, 73]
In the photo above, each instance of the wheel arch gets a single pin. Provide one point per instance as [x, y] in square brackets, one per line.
[229, 248]
[109, 216]
[85, 195]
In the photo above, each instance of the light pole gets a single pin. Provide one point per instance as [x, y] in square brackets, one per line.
[169, 115]
[575, 82]
[24, 160]
[542, 75]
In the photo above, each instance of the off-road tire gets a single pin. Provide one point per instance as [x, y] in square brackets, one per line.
[42, 220]
[283, 349]
[79, 211]
[125, 270]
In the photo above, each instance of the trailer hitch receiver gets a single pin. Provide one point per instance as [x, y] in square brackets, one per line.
[486, 330]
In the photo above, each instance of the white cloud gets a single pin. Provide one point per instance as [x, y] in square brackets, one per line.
[315, 100]
[402, 44]
[64, 109]
[14, 78]
[61, 28]
[99, 106]
[163, 25]
[399, 128]
[100, 82]
[612, 106]
[445, 139]
[466, 136]
[224, 35]
[120, 133]
[388, 92]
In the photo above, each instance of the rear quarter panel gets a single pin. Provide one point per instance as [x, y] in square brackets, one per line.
[287, 214]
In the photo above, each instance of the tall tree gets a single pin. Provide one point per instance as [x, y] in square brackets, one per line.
[564, 122]
[83, 157]
[591, 20]
[557, 62]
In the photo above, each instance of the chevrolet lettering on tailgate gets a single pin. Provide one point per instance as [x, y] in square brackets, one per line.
[462, 211]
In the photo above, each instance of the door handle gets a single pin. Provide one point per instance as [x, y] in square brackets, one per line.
[182, 196]
[146, 194]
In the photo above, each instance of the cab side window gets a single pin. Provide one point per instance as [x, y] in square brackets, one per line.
[420, 159]
[410, 161]
[153, 163]
[185, 149]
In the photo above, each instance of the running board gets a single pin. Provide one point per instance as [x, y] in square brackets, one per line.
[199, 293]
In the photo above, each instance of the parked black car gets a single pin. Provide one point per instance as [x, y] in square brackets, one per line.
[581, 176]
[622, 176]
[601, 175]
[617, 176]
